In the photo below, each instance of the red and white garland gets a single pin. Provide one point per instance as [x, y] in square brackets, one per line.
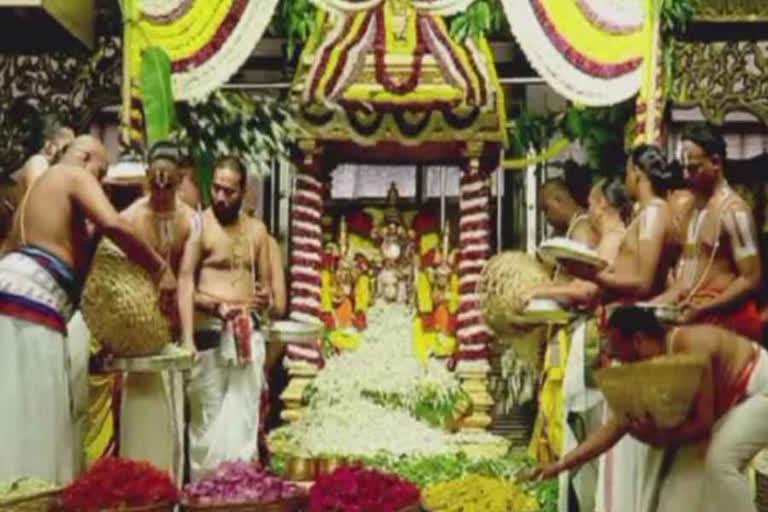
[474, 248]
[306, 258]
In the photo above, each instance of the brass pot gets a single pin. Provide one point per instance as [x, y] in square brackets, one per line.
[300, 469]
[326, 465]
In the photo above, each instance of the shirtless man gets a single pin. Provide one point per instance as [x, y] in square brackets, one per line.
[39, 290]
[161, 218]
[729, 413]
[720, 270]
[56, 138]
[607, 204]
[189, 190]
[230, 258]
[646, 253]
[564, 213]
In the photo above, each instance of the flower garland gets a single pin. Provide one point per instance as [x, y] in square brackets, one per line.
[566, 77]
[380, 51]
[164, 11]
[614, 18]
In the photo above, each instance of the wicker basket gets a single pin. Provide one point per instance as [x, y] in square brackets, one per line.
[286, 505]
[39, 502]
[664, 386]
[120, 305]
[505, 280]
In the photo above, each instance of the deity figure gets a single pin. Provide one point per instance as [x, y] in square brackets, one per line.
[397, 247]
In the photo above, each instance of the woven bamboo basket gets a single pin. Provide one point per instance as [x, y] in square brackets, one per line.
[664, 387]
[38, 502]
[120, 305]
[504, 282]
[286, 505]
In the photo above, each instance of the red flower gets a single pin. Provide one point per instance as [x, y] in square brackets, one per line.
[359, 321]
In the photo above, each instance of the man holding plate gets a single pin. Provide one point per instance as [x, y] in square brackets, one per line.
[720, 269]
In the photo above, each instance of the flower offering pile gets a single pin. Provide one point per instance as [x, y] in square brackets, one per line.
[476, 493]
[115, 483]
[239, 482]
[356, 489]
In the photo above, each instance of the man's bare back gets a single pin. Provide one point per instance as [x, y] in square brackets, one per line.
[730, 351]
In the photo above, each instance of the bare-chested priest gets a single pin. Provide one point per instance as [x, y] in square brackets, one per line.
[161, 218]
[39, 289]
[720, 270]
[225, 279]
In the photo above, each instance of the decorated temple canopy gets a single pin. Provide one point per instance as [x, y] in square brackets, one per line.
[391, 73]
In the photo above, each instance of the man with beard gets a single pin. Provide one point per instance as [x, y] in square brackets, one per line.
[720, 269]
[224, 280]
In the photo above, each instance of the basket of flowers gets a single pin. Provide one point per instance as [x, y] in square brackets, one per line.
[351, 486]
[242, 487]
[478, 492]
[664, 387]
[116, 484]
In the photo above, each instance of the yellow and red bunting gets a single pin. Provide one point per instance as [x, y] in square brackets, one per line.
[589, 51]
[206, 41]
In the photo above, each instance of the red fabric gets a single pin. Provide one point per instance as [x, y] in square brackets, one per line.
[729, 396]
[744, 319]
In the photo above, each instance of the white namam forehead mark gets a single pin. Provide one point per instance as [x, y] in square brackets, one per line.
[739, 225]
[648, 219]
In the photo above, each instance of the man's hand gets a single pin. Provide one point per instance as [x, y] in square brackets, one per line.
[544, 472]
[260, 299]
[579, 269]
[692, 312]
[228, 311]
[189, 346]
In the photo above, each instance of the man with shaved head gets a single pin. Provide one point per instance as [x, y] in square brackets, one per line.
[40, 280]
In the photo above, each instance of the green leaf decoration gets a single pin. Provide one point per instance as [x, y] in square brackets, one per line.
[156, 94]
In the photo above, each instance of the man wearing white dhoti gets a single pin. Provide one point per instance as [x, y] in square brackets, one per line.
[39, 287]
[225, 276]
[728, 416]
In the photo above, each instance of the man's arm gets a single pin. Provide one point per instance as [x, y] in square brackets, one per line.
[652, 228]
[193, 249]
[740, 229]
[87, 192]
[261, 237]
[279, 298]
[597, 443]
[583, 233]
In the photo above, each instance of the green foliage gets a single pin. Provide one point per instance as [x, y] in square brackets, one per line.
[482, 18]
[256, 128]
[599, 130]
[295, 21]
[156, 93]
[675, 14]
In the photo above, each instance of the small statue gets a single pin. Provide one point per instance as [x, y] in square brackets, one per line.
[396, 246]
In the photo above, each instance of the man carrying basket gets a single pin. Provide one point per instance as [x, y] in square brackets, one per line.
[724, 430]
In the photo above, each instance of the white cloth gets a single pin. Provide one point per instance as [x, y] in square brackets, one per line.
[736, 438]
[36, 428]
[36, 423]
[78, 337]
[579, 398]
[224, 398]
[157, 437]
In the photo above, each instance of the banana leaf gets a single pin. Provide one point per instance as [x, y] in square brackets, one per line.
[156, 94]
